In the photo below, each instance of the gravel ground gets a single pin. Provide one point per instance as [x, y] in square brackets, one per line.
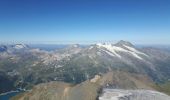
[119, 94]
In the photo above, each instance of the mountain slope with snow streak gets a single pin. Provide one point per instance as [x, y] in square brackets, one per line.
[115, 50]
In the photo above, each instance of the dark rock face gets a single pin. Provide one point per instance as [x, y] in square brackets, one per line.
[9, 83]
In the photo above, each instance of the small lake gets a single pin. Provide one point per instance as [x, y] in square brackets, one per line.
[7, 96]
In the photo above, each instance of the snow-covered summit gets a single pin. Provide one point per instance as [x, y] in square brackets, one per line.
[75, 45]
[20, 46]
[121, 46]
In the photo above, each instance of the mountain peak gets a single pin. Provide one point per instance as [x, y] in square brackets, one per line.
[74, 46]
[3, 48]
[122, 42]
[20, 46]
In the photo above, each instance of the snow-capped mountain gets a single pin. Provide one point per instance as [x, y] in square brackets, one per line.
[121, 47]
[12, 48]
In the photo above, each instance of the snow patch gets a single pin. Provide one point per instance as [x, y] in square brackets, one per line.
[20, 46]
[111, 49]
[91, 47]
[95, 79]
[115, 49]
[111, 54]
[134, 50]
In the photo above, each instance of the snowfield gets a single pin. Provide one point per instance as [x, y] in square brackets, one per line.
[119, 94]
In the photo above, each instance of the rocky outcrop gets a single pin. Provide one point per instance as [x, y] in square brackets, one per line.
[62, 91]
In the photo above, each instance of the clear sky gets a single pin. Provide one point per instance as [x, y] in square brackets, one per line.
[85, 21]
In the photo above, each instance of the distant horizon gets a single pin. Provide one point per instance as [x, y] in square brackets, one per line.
[85, 21]
[75, 42]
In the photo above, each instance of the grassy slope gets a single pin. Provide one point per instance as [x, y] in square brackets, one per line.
[163, 87]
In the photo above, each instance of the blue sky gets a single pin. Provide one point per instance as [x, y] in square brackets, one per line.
[85, 21]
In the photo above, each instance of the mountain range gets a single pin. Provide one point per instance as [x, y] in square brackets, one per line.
[72, 68]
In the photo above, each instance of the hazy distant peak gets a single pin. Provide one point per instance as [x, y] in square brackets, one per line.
[3, 48]
[75, 45]
[20, 46]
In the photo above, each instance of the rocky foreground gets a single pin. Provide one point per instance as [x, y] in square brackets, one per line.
[88, 90]
[118, 94]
